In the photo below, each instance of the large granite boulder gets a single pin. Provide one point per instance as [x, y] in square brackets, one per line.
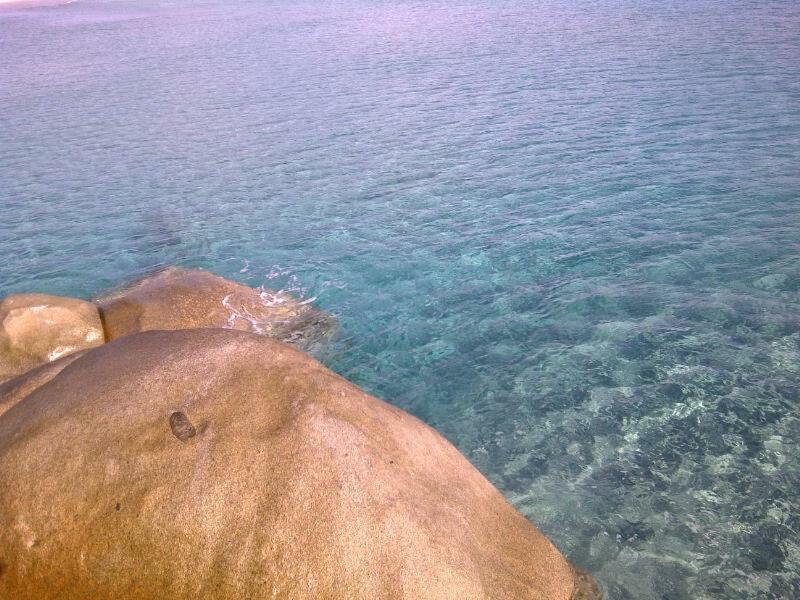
[39, 328]
[212, 463]
[177, 298]
[18, 388]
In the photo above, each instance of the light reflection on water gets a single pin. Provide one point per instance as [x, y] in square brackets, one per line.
[564, 234]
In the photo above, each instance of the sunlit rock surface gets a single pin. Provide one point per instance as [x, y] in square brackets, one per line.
[18, 388]
[39, 328]
[217, 463]
[177, 298]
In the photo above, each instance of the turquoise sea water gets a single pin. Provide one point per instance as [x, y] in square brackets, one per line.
[566, 234]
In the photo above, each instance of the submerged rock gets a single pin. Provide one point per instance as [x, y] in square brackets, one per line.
[214, 463]
[39, 328]
[177, 298]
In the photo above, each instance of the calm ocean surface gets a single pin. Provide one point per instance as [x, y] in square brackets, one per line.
[566, 234]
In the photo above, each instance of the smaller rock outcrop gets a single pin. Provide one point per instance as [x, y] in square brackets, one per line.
[39, 328]
[177, 298]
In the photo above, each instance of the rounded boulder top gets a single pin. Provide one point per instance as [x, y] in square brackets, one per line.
[218, 463]
[178, 298]
[40, 328]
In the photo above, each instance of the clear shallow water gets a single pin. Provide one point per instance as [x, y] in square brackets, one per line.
[565, 234]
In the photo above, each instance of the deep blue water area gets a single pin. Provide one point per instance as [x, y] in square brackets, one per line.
[564, 233]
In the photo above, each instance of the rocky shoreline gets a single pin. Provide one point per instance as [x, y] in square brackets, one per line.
[39, 328]
[184, 450]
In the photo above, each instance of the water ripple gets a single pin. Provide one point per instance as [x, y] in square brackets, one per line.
[564, 233]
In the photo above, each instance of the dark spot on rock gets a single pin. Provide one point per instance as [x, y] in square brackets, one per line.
[181, 426]
[391, 462]
[118, 506]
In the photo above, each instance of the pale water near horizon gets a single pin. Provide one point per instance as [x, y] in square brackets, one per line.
[566, 234]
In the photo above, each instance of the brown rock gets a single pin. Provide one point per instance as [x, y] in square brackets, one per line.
[177, 298]
[220, 464]
[18, 388]
[38, 328]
